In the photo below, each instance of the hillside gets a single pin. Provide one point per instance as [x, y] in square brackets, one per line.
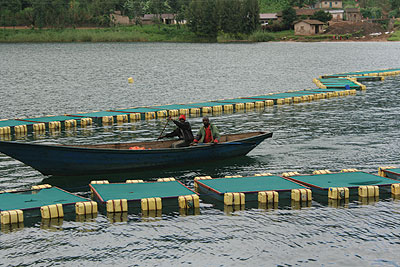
[272, 6]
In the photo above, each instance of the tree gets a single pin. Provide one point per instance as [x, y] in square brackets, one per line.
[202, 18]
[288, 17]
[251, 16]
[302, 3]
[321, 15]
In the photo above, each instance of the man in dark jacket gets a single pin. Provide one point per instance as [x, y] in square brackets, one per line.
[208, 133]
[183, 131]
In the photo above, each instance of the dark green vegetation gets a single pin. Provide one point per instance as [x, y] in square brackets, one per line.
[206, 20]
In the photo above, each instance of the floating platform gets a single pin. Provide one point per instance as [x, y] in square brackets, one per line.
[342, 84]
[50, 201]
[238, 190]
[352, 182]
[144, 195]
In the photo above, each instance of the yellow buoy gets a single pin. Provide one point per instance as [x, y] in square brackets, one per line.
[130, 80]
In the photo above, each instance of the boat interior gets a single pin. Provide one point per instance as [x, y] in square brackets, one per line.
[166, 143]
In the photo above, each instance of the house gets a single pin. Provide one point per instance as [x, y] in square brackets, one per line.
[266, 18]
[337, 14]
[353, 14]
[329, 4]
[118, 19]
[308, 27]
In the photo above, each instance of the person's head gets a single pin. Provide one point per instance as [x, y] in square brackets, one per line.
[182, 118]
[206, 121]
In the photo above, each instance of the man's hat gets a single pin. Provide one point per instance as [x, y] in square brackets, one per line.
[182, 117]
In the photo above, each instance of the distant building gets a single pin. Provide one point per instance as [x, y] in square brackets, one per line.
[329, 4]
[353, 14]
[308, 27]
[266, 18]
[337, 14]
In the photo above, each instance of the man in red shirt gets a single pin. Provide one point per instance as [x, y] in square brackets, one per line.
[208, 133]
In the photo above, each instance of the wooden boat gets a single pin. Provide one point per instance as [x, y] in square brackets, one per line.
[64, 160]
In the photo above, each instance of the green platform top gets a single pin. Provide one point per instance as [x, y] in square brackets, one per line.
[137, 191]
[97, 114]
[250, 184]
[235, 101]
[138, 110]
[343, 179]
[52, 118]
[396, 170]
[206, 104]
[12, 123]
[176, 106]
[37, 198]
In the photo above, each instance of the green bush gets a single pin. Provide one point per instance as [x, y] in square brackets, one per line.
[260, 36]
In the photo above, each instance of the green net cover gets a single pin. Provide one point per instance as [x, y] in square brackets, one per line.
[345, 179]
[250, 184]
[37, 198]
[136, 191]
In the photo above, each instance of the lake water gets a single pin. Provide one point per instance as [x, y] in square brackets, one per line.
[360, 131]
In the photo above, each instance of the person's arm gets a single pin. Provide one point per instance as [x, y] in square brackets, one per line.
[198, 136]
[216, 134]
[172, 134]
[184, 126]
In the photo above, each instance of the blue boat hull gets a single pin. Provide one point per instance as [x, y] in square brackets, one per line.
[71, 160]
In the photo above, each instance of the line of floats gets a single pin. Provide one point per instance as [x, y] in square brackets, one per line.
[328, 86]
[149, 198]
[262, 191]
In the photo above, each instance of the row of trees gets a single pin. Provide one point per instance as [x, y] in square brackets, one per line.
[204, 17]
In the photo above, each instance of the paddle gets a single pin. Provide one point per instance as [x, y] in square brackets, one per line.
[163, 129]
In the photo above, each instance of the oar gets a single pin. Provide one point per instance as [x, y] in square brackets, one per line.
[163, 129]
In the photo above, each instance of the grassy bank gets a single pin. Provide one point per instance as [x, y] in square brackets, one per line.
[150, 33]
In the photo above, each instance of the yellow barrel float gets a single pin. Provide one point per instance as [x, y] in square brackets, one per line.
[39, 127]
[234, 199]
[206, 110]
[368, 191]
[217, 109]
[70, 123]
[162, 114]
[189, 201]
[98, 182]
[55, 125]
[134, 181]
[301, 195]
[117, 205]
[168, 179]
[86, 122]
[122, 118]
[41, 186]
[184, 111]
[263, 174]
[153, 203]
[288, 174]
[296, 99]
[134, 117]
[173, 112]
[249, 106]
[87, 207]
[52, 211]
[321, 172]
[239, 106]
[233, 176]
[130, 80]
[5, 130]
[268, 197]
[228, 108]
[20, 129]
[150, 115]
[107, 119]
[12, 216]
[259, 104]
[280, 101]
[395, 189]
[195, 111]
[338, 193]
[349, 170]
[269, 103]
